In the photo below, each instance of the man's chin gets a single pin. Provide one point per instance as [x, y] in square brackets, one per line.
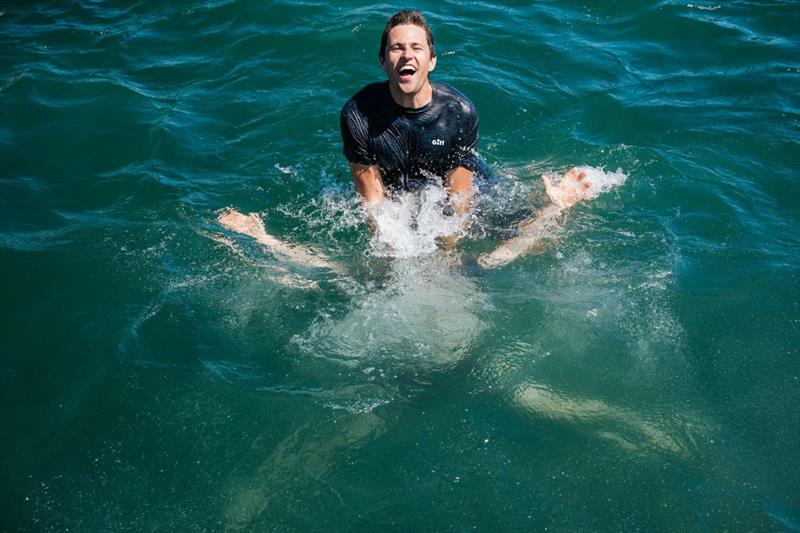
[408, 87]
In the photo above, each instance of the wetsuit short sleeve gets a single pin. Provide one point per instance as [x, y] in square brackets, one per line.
[465, 150]
[355, 135]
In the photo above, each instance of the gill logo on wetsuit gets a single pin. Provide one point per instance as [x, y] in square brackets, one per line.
[437, 142]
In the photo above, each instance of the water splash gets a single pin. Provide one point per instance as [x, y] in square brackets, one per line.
[602, 180]
[599, 181]
[425, 316]
[410, 225]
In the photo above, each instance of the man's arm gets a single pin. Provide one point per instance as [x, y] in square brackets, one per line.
[369, 186]
[458, 182]
[369, 183]
[459, 185]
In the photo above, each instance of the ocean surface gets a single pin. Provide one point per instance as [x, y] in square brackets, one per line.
[161, 373]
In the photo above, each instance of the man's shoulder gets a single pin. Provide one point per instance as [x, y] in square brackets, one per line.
[451, 96]
[371, 96]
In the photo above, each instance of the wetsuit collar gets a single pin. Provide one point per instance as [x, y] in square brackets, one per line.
[414, 110]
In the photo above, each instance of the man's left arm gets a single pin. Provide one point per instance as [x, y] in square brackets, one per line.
[458, 182]
[459, 186]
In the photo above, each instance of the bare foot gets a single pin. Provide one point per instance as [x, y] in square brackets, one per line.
[252, 226]
[569, 190]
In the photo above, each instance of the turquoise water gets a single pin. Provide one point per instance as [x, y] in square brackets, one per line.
[160, 373]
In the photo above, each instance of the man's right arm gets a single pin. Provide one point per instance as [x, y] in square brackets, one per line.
[356, 147]
[369, 183]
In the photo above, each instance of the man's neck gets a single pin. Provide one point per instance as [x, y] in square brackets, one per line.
[412, 101]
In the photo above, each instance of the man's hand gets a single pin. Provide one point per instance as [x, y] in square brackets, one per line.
[447, 242]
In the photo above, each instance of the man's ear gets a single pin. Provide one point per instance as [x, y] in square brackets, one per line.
[433, 64]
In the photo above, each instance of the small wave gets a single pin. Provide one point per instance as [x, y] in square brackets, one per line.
[37, 241]
[229, 371]
[703, 8]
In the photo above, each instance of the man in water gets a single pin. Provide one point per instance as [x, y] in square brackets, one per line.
[407, 131]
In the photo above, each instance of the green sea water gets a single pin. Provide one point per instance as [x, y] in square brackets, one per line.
[158, 373]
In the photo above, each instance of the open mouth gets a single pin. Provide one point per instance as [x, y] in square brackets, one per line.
[406, 71]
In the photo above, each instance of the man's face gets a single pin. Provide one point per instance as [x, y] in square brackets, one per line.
[407, 58]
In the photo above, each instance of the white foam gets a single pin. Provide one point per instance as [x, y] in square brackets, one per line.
[410, 225]
[703, 8]
[425, 316]
[601, 180]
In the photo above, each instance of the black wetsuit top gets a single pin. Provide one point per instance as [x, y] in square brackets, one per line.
[410, 146]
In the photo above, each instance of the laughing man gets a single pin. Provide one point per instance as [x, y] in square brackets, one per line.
[408, 131]
[404, 132]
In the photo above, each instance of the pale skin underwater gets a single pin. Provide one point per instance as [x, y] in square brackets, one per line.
[305, 456]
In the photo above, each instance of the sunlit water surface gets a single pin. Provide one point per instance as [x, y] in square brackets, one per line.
[159, 372]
